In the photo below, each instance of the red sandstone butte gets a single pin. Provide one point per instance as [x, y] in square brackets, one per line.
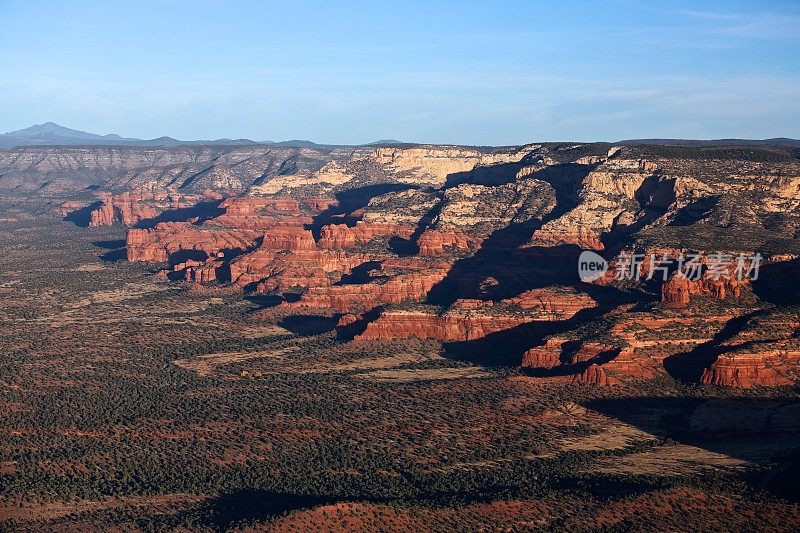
[438, 242]
[167, 238]
[277, 269]
[399, 324]
[341, 236]
[743, 371]
[594, 375]
[132, 207]
[677, 291]
[260, 213]
[347, 319]
[320, 204]
[250, 205]
[411, 286]
[558, 305]
[546, 356]
[469, 319]
[128, 208]
[289, 238]
[585, 238]
[200, 271]
[69, 206]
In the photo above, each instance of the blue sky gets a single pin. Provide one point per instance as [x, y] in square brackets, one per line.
[447, 72]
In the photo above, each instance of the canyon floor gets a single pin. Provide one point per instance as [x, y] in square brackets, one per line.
[134, 402]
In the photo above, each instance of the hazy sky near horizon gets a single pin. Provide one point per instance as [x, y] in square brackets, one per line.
[447, 72]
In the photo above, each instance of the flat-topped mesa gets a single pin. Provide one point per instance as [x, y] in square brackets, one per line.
[434, 243]
[765, 352]
[400, 288]
[561, 351]
[260, 213]
[641, 345]
[130, 208]
[553, 303]
[341, 236]
[546, 356]
[431, 165]
[168, 239]
[744, 371]
[397, 324]
[281, 270]
[288, 238]
[584, 237]
[469, 319]
[251, 205]
[634, 348]
[317, 205]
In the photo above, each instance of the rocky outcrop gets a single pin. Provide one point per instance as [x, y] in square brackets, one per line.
[200, 271]
[434, 243]
[546, 356]
[449, 229]
[131, 208]
[765, 352]
[584, 237]
[677, 291]
[469, 319]
[249, 206]
[431, 165]
[398, 324]
[607, 198]
[260, 213]
[317, 205]
[128, 208]
[402, 208]
[743, 371]
[482, 210]
[289, 238]
[401, 287]
[341, 236]
[552, 303]
[594, 375]
[66, 208]
[347, 319]
[168, 239]
[278, 270]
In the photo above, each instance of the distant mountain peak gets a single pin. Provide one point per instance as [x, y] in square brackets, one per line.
[51, 128]
[52, 134]
[384, 142]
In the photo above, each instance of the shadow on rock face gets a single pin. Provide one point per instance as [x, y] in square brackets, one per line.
[81, 217]
[225, 511]
[349, 201]
[116, 250]
[764, 432]
[779, 283]
[688, 366]
[306, 325]
[202, 210]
